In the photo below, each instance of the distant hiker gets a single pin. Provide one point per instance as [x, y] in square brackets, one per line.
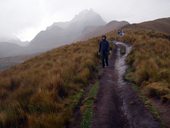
[104, 50]
[120, 33]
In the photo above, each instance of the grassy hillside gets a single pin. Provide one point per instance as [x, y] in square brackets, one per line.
[149, 62]
[160, 25]
[42, 92]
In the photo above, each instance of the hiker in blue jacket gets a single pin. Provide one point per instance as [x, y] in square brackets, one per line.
[104, 51]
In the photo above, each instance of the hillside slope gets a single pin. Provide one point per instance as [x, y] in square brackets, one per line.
[91, 31]
[43, 91]
[160, 25]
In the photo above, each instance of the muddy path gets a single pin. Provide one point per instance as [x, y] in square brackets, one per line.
[117, 104]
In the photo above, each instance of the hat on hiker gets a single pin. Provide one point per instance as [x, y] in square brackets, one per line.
[104, 36]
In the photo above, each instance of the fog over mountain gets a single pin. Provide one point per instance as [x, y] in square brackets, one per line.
[92, 31]
[62, 33]
[85, 25]
[9, 49]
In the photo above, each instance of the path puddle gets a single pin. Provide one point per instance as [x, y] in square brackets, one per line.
[120, 64]
[132, 107]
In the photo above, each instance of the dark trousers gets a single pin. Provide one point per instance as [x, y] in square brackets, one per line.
[104, 58]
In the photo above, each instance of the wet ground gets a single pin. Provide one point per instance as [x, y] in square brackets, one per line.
[117, 104]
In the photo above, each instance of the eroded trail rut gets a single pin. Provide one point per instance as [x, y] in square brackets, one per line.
[117, 104]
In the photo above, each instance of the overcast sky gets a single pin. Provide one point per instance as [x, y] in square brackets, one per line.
[25, 18]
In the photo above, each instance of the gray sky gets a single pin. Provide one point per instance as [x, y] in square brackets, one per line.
[25, 18]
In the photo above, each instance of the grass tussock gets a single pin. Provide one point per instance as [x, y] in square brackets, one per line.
[149, 62]
[41, 92]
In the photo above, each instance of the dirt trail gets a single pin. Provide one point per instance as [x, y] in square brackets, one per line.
[117, 104]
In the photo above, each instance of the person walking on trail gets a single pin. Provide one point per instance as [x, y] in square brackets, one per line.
[104, 51]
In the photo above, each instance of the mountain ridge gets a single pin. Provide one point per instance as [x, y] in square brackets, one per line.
[61, 33]
[71, 29]
[160, 25]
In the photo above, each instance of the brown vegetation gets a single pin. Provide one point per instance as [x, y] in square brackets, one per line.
[149, 62]
[160, 25]
[41, 92]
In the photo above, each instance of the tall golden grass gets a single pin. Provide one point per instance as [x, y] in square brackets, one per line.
[149, 62]
[40, 93]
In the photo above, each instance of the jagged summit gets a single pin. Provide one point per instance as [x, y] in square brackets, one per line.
[88, 16]
[66, 32]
